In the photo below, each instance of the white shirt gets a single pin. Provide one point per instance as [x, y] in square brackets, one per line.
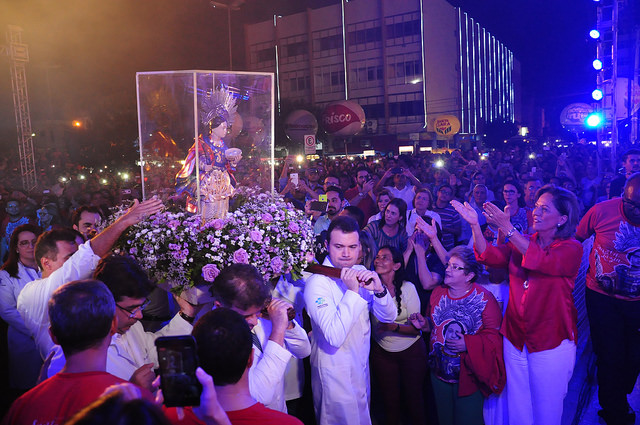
[129, 351]
[409, 303]
[266, 376]
[407, 194]
[412, 217]
[340, 344]
[24, 358]
[33, 301]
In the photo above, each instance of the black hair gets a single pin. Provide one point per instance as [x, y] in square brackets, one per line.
[75, 219]
[344, 224]
[401, 205]
[46, 245]
[124, 277]
[241, 286]
[81, 314]
[337, 190]
[11, 265]
[399, 275]
[224, 345]
[355, 213]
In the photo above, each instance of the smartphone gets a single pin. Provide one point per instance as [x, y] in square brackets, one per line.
[178, 360]
[396, 170]
[533, 169]
[318, 206]
[294, 179]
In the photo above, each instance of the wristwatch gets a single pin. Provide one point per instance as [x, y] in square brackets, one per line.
[188, 319]
[511, 232]
[381, 294]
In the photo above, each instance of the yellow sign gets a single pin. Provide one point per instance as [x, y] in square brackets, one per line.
[447, 125]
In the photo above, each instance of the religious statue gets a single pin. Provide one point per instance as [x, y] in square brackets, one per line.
[216, 162]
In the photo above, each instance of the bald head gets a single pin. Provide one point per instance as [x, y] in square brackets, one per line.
[631, 199]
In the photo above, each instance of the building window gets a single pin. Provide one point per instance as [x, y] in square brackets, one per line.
[327, 42]
[402, 29]
[405, 69]
[329, 79]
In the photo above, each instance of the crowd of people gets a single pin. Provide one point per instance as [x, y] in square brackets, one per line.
[454, 283]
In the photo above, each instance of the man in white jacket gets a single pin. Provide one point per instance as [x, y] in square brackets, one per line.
[340, 341]
[62, 260]
[132, 354]
[240, 287]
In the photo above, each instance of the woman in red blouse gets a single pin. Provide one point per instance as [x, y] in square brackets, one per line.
[540, 323]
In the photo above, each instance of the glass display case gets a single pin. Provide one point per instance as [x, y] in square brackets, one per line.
[229, 114]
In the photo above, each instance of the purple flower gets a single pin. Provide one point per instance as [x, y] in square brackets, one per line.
[218, 224]
[267, 218]
[174, 247]
[255, 236]
[277, 264]
[133, 250]
[173, 224]
[293, 227]
[241, 256]
[210, 272]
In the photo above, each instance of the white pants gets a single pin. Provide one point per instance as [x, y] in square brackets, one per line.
[537, 383]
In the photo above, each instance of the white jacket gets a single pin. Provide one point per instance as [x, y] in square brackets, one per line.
[340, 343]
[33, 301]
[267, 373]
[24, 358]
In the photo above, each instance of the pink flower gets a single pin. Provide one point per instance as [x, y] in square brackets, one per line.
[293, 227]
[210, 272]
[255, 236]
[276, 264]
[241, 256]
[267, 218]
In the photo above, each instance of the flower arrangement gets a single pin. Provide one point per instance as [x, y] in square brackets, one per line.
[181, 250]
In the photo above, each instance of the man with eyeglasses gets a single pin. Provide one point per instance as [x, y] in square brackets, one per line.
[132, 354]
[613, 298]
[62, 260]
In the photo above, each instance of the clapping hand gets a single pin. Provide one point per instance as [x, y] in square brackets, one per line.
[466, 211]
[426, 228]
[497, 217]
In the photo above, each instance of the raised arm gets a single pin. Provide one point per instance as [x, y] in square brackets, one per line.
[102, 243]
[470, 215]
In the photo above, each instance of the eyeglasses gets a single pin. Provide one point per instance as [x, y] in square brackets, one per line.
[634, 205]
[135, 309]
[454, 267]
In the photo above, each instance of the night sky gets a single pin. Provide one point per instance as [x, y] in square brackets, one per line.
[91, 49]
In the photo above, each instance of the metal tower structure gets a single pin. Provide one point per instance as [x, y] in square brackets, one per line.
[18, 54]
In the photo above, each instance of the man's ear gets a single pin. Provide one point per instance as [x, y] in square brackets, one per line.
[53, 337]
[114, 326]
[250, 361]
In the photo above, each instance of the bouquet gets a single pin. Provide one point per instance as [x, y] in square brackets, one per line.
[181, 250]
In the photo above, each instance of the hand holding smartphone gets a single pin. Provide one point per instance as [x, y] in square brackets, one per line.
[178, 360]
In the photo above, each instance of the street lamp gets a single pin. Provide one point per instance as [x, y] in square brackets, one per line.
[233, 5]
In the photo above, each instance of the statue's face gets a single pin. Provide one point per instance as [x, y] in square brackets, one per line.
[220, 131]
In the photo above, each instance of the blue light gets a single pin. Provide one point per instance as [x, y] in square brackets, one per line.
[595, 34]
[597, 64]
[593, 120]
[597, 94]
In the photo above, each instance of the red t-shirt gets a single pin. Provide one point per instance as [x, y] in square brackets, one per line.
[57, 399]
[256, 414]
[614, 261]
[367, 204]
[469, 315]
[540, 312]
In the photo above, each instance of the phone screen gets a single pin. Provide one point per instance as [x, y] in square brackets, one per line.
[178, 363]
[318, 206]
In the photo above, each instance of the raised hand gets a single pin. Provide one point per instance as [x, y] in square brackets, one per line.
[497, 217]
[426, 228]
[466, 211]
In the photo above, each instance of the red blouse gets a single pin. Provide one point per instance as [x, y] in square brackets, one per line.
[540, 312]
